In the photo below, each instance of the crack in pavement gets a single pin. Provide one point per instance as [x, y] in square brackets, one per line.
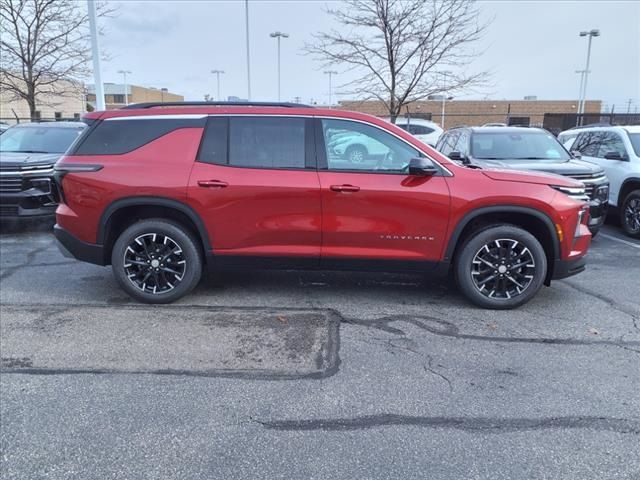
[31, 256]
[609, 301]
[469, 424]
[437, 326]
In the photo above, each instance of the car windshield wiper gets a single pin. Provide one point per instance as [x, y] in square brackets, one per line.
[535, 158]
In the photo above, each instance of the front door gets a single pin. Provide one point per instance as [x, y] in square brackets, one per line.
[256, 187]
[372, 209]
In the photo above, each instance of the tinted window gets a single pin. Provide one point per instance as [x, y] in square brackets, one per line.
[358, 146]
[588, 144]
[418, 129]
[611, 143]
[635, 141]
[114, 137]
[213, 148]
[448, 142]
[521, 145]
[462, 145]
[267, 142]
[38, 139]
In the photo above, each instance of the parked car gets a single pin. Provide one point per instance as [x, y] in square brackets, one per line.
[424, 130]
[617, 151]
[27, 154]
[524, 148]
[161, 190]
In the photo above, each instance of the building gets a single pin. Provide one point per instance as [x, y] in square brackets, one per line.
[551, 114]
[62, 101]
[115, 96]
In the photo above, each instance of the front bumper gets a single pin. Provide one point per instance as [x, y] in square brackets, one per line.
[75, 248]
[568, 268]
[32, 201]
[597, 213]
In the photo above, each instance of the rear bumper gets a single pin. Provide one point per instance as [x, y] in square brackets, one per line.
[75, 248]
[568, 268]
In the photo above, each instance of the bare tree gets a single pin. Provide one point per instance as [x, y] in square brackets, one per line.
[44, 47]
[397, 47]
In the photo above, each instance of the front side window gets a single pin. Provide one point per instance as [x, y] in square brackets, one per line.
[361, 147]
[38, 139]
[588, 143]
[521, 145]
[267, 142]
[448, 143]
[611, 143]
[635, 142]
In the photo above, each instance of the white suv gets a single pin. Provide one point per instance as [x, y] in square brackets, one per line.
[424, 130]
[617, 150]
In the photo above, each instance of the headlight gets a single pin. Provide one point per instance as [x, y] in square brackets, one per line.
[602, 193]
[577, 193]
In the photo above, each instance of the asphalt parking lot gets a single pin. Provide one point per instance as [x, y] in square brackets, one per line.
[316, 375]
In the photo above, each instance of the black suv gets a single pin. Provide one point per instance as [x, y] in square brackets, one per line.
[524, 148]
[27, 154]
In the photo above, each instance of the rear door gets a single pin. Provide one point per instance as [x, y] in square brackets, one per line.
[256, 187]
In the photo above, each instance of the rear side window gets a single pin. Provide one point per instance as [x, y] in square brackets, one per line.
[123, 135]
[213, 148]
[420, 130]
[267, 142]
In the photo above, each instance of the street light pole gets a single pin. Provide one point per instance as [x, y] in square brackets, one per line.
[581, 72]
[279, 35]
[217, 74]
[246, 20]
[444, 96]
[126, 90]
[592, 33]
[330, 73]
[95, 54]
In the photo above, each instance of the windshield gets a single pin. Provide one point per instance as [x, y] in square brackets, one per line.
[525, 145]
[38, 140]
[635, 141]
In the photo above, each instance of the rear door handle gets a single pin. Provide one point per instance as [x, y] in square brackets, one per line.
[345, 188]
[212, 184]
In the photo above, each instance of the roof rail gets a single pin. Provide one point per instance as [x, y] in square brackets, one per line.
[214, 104]
[602, 124]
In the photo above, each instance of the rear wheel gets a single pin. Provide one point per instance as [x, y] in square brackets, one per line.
[156, 261]
[501, 267]
[630, 214]
[356, 154]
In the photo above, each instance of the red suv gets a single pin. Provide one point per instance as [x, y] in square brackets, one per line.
[161, 191]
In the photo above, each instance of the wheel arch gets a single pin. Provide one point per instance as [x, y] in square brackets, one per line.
[534, 221]
[126, 211]
[629, 184]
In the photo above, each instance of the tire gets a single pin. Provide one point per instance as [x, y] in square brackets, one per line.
[630, 214]
[356, 154]
[511, 288]
[165, 245]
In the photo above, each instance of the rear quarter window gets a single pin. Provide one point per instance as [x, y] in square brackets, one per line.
[118, 136]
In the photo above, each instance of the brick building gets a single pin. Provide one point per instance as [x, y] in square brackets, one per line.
[479, 112]
[114, 95]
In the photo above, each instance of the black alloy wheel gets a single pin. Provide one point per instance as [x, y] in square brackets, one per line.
[500, 267]
[156, 261]
[630, 214]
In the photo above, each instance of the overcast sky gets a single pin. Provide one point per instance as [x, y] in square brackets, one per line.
[532, 48]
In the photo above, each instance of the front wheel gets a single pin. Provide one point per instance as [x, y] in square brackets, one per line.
[501, 267]
[630, 214]
[156, 261]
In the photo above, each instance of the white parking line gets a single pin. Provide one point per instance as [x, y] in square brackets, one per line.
[610, 237]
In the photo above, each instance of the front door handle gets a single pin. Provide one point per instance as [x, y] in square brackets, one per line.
[345, 188]
[212, 184]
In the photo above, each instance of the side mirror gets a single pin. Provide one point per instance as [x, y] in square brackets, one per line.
[457, 156]
[422, 167]
[577, 155]
[614, 156]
